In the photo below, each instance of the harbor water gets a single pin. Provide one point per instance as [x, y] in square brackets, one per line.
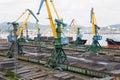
[104, 36]
[88, 37]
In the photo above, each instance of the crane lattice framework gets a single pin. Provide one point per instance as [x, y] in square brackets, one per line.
[58, 55]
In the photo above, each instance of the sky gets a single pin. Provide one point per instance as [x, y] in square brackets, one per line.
[107, 12]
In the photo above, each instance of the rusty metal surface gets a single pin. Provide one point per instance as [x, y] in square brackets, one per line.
[92, 61]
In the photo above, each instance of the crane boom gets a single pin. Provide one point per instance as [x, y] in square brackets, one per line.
[24, 13]
[50, 17]
[23, 25]
[40, 6]
[20, 15]
[37, 25]
[51, 20]
[54, 9]
[93, 22]
[33, 14]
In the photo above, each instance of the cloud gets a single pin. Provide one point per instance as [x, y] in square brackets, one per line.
[106, 11]
[6, 1]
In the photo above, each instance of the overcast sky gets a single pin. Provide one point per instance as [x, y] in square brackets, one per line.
[107, 11]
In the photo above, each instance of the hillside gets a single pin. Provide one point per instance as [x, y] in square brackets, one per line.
[108, 29]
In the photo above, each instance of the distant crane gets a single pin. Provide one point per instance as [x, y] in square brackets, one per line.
[45, 31]
[95, 46]
[24, 24]
[17, 34]
[74, 28]
[79, 40]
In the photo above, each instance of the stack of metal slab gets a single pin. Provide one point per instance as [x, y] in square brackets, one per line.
[6, 63]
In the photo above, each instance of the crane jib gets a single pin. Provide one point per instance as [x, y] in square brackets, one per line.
[33, 14]
[41, 4]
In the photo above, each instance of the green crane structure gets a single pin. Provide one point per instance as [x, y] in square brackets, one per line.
[15, 46]
[58, 55]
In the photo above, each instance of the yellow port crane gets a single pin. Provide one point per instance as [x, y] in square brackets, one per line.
[93, 22]
[95, 46]
[73, 25]
[50, 17]
[58, 55]
[25, 22]
[22, 26]
[58, 17]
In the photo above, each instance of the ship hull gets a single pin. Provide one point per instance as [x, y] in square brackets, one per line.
[83, 41]
[113, 43]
